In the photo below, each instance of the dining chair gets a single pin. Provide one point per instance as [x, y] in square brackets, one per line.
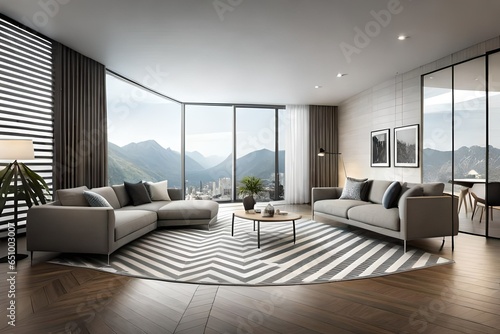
[478, 193]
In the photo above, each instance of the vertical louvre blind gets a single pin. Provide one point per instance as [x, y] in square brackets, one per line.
[26, 101]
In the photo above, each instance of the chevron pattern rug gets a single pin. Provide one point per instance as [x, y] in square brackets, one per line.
[322, 253]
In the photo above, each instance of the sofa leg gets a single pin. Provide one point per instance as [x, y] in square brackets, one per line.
[108, 259]
[31, 258]
[442, 244]
[404, 246]
[452, 243]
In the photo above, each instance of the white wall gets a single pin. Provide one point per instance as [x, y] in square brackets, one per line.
[393, 103]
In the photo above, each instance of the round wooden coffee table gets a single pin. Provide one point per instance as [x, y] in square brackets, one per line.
[257, 217]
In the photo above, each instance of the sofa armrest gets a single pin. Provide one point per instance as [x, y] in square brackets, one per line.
[320, 193]
[429, 216]
[70, 229]
[175, 194]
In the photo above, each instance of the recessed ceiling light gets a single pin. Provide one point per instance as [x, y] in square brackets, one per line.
[402, 37]
[340, 75]
[317, 86]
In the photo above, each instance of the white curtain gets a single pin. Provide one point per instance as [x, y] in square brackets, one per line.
[297, 190]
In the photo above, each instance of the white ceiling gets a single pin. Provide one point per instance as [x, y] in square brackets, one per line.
[260, 51]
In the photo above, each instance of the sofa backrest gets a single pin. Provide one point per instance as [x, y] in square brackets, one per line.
[430, 189]
[377, 190]
[109, 194]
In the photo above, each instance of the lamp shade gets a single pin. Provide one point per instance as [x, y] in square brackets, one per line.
[16, 149]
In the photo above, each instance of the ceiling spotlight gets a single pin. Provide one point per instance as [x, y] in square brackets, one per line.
[402, 37]
[317, 86]
[340, 75]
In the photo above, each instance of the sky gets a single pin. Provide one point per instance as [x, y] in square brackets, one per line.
[135, 115]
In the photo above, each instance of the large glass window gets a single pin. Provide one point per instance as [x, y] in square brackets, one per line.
[144, 135]
[204, 149]
[209, 147]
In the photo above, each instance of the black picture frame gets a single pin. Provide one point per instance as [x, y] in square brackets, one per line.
[380, 148]
[406, 146]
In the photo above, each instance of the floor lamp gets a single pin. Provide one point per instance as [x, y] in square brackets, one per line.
[15, 149]
[322, 153]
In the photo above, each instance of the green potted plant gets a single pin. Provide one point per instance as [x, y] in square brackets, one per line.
[32, 188]
[250, 186]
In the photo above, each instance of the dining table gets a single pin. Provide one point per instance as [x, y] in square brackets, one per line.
[464, 192]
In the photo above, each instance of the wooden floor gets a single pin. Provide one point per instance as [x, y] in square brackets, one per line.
[460, 298]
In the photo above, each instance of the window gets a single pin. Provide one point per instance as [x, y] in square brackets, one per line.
[209, 152]
[26, 101]
[256, 148]
[144, 135]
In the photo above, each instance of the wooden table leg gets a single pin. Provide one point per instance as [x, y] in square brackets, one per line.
[294, 231]
[258, 233]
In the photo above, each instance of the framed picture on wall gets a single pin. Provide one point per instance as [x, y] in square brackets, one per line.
[380, 148]
[406, 146]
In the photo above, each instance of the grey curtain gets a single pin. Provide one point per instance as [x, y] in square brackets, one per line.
[323, 131]
[80, 122]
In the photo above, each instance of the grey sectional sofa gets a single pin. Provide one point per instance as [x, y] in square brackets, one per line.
[416, 210]
[70, 225]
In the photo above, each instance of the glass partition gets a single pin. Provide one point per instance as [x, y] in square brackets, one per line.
[469, 96]
[437, 127]
[494, 138]
[461, 139]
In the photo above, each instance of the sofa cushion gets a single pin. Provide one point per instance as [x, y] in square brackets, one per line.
[377, 190]
[109, 194]
[158, 190]
[72, 196]
[376, 215]
[188, 210]
[353, 188]
[138, 193]
[95, 200]
[122, 194]
[337, 207]
[129, 221]
[391, 195]
[152, 206]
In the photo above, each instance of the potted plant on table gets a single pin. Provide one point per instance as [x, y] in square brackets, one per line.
[250, 186]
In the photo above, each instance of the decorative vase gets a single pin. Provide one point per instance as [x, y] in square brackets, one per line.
[268, 211]
[248, 203]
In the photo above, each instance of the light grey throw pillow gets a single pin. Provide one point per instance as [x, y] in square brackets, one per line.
[158, 190]
[353, 188]
[96, 200]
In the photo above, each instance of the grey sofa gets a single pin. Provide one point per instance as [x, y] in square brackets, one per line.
[70, 225]
[418, 210]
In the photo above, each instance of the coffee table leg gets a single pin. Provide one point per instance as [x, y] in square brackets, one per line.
[254, 225]
[232, 227]
[294, 231]
[258, 233]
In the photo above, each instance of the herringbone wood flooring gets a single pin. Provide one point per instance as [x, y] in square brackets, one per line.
[460, 298]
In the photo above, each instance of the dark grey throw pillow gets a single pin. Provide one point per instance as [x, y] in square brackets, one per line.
[353, 188]
[137, 192]
[391, 195]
